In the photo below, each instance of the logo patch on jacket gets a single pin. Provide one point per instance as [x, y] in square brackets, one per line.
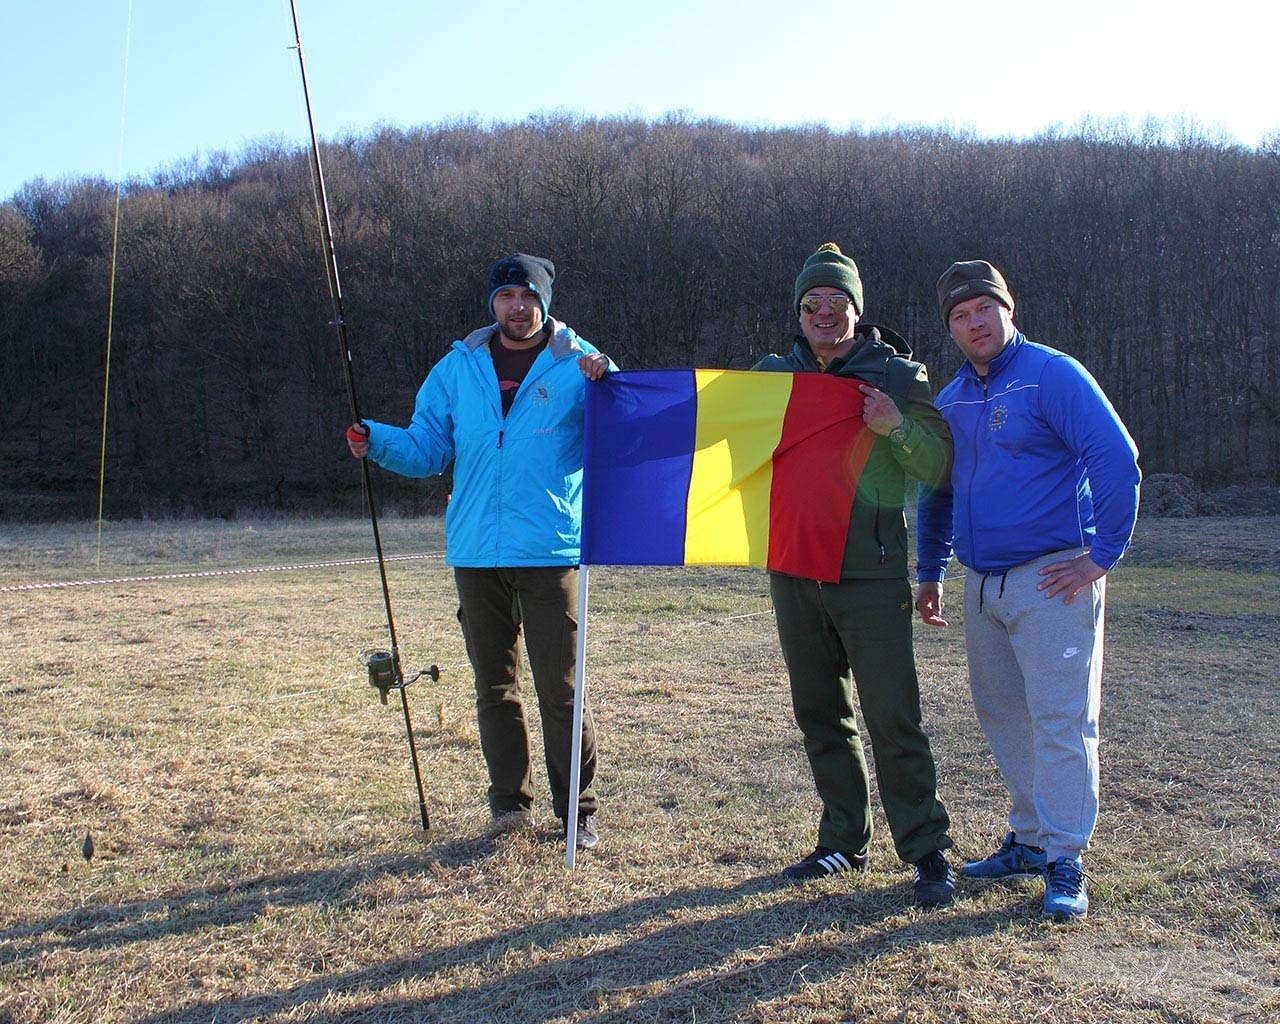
[542, 394]
[999, 416]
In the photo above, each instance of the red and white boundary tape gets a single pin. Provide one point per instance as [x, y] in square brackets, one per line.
[66, 584]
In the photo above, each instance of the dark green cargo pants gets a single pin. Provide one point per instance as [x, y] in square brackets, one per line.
[494, 606]
[858, 633]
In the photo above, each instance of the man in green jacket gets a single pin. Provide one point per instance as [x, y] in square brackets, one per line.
[857, 633]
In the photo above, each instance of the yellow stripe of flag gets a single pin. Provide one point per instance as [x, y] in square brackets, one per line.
[740, 417]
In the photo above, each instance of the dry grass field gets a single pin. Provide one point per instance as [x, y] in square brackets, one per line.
[258, 856]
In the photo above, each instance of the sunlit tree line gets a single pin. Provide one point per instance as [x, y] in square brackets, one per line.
[1156, 261]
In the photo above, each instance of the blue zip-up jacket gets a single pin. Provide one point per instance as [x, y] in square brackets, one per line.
[517, 480]
[1042, 463]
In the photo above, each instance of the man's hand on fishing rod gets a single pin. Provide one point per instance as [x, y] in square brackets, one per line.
[358, 440]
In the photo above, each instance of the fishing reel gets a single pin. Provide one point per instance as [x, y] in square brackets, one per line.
[385, 674]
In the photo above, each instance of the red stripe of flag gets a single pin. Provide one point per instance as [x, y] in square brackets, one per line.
[811, 498]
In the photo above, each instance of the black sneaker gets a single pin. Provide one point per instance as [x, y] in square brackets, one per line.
[588, 838]
[935, 885]
[825, 861]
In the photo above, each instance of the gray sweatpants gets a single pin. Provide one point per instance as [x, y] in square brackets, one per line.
[1035, 669]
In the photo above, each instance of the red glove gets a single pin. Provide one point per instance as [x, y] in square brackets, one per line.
[358, 440]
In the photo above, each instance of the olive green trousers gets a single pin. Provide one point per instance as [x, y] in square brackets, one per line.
[494, 607]
[857, 634]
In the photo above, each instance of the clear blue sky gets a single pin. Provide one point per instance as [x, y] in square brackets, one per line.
[203, 77]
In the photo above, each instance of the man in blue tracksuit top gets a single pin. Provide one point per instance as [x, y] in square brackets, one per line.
[504, 407]
[1042, 504]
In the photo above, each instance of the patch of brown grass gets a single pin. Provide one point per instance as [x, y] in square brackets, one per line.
[258, 858]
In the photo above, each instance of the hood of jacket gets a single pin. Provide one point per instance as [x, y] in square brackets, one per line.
[563, 339]
[874, 343]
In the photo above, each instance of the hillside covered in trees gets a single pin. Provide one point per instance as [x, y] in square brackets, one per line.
[1155, 262]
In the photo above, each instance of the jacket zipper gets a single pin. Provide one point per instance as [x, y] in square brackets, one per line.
[875, 529]
[977, 448]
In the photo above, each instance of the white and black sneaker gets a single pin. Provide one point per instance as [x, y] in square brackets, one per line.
[823, 862]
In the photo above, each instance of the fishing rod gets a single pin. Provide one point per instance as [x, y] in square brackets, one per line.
[385, 670]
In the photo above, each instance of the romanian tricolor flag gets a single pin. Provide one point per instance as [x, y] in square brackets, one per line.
[722, 467]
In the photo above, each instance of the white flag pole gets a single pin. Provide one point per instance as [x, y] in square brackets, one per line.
[579, 700]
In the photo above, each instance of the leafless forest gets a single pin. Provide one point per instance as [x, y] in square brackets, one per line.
[1154, 261]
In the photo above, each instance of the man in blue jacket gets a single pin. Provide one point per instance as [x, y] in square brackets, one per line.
[504, 407]
[1042, 504]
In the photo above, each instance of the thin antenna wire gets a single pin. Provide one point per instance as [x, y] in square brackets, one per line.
[111, 295]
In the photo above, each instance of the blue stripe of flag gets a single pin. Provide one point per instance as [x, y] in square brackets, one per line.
[640, 430]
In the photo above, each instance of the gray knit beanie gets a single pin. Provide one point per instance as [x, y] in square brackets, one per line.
[968, 279]
[520, 270]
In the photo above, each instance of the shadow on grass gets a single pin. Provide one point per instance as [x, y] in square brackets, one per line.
[724, 966]
[118, 924]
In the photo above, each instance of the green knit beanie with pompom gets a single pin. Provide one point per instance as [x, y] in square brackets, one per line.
[830, 268]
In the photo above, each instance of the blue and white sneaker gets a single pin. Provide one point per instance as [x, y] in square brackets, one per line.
[1065, 898]
[1012, 860]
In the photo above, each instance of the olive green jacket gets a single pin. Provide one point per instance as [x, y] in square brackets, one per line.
[876, 546]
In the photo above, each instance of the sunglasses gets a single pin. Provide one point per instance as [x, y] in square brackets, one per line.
[812, 303]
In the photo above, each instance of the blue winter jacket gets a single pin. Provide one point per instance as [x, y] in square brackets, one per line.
[1042, 464]
[517, 481]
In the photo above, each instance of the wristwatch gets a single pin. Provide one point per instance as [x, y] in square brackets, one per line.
[898, 438]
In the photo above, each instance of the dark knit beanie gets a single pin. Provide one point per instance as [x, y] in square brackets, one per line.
[519, 270]
[830, 268]
[968, 279]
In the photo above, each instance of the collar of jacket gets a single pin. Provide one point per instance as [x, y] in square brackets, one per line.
[998, 364]
[563, 339]
[874, 342]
